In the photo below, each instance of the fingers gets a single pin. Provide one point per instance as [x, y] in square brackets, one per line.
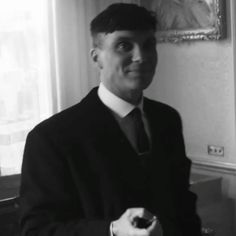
[152, 225]
[155, 228]
[134, 213]
[123, 227]
[140, 217]
[136, 222]
[137, 232]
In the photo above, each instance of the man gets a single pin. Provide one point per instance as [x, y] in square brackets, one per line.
[114, 164]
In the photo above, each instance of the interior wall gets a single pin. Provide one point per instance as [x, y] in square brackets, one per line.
[197, 78]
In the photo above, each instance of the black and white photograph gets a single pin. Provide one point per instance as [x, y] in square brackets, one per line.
[117, 118]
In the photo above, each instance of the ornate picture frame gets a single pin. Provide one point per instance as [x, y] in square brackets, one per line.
[182, 20]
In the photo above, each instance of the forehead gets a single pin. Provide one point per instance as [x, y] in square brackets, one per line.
[135, 36]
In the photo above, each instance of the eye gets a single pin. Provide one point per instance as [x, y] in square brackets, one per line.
[124, 46]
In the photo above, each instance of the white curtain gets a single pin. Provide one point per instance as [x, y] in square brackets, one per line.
[74, 74]
[45, 66]
[25, 92]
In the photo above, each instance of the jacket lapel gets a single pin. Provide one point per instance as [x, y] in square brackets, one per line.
[103, 127]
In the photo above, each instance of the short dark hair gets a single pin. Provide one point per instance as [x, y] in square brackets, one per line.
[122, 16]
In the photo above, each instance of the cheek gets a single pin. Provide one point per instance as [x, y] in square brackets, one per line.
[125, 64]
[113, 69]
[119, 65]
[112, 60]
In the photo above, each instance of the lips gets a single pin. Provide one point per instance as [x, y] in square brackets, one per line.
[139, 71]
[140, 68]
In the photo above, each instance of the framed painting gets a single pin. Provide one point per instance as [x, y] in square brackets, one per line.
[180, 20]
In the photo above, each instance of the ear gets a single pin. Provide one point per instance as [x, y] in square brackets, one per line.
[94, 53]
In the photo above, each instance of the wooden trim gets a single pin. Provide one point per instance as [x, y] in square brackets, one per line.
[9, 187]
[228, 168]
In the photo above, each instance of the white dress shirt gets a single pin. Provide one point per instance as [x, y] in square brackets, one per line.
[120, 109]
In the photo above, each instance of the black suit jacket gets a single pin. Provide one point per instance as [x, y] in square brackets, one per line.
[80, 172]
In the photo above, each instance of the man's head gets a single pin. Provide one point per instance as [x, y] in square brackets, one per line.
[124, 49]
[121, 16]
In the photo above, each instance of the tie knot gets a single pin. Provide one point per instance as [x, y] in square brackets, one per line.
[136, 113]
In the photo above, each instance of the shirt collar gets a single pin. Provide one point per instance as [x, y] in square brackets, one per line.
[115, 103]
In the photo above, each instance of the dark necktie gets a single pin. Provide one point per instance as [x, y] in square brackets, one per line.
[140, 133]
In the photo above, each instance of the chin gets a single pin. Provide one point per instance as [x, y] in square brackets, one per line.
[142, 83]
[138, 87]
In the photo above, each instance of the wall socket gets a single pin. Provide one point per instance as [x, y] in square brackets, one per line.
[214, 150]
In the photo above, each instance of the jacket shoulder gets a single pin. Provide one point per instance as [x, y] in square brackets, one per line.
[70, 118]
[58, 122]
[161, 108]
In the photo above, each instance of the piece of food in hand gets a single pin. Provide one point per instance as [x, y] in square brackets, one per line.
[142, 222]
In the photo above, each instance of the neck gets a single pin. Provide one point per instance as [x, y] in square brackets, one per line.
[132, 97]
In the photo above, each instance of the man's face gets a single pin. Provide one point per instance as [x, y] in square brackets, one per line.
[127, 61]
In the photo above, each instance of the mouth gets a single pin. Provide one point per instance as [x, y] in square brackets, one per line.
[139, 71]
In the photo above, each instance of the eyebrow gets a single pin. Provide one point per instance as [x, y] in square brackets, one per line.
[124, 38]
[121, 38]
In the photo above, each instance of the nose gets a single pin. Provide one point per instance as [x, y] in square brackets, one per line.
[138, 55]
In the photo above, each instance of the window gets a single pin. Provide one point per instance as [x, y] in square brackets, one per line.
[25, 94]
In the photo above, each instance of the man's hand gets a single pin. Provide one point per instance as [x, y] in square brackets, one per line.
[137, 222]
